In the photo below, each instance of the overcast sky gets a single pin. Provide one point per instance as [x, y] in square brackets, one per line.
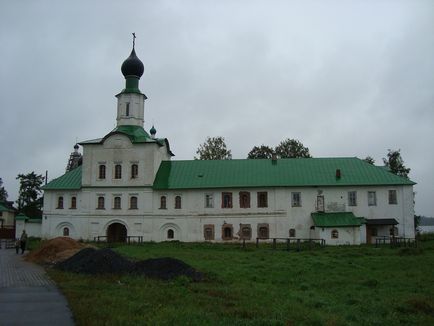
[346, 78]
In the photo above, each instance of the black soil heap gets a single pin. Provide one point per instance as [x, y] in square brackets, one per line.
[106, 261]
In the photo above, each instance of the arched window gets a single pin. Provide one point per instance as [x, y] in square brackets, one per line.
[246, 232]
[263, 232]
[60, 202]
[170, 234]
[163, 202]
[208, 232]
[292, 233]
[178, 202]
[118, 171]
[66, 232]
[335, 234]
[134, 171]
[100, 203]
[133, 202]
[73, 202]
[101, 172]
[117, 203]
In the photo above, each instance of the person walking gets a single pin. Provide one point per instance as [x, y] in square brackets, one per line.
[23, 241]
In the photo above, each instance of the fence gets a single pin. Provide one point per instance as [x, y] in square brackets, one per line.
[396, 242]
[296, 244]
[129, 239]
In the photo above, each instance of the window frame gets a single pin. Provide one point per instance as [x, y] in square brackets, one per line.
[231, 231]
[393, 197]
[134, 202]
[352, 198]
[65, 231]
[292, 233]
[229, 202]
[163, 202]
[296, 199]
[100, 202]
[262, 198]
[118, 171]
[244, 199]
[134, 171]
[334, 234]
[60, 202]
[372, 198]
[178, 202]
[211, 228]
[102, 171]
[73, 202]
[117, 202]
[209, 200]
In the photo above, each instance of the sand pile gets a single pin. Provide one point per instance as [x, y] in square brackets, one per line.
[106, 261]
[55, 250]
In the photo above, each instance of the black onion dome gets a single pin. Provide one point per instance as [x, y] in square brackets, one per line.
[132, 66]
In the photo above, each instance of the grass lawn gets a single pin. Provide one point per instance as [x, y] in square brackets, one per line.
[331, 286]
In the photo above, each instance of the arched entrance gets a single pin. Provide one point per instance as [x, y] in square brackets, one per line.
[116, 232]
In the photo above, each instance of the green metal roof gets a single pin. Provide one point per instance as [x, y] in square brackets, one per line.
[69, 181]
[296, 172]
[336, 219]
[4, 208]
[135, 133]
[22, 217]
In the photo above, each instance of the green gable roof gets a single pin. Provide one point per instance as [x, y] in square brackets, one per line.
[298, 172]
[336, 219]
[69, 181]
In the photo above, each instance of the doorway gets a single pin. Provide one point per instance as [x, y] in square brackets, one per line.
[116, 232]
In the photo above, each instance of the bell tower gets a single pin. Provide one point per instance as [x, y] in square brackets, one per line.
[131, 101]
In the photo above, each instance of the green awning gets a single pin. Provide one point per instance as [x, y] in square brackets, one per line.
[336, 219]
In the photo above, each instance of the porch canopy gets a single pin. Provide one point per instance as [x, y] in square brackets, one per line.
[336, 219]
[381, 221]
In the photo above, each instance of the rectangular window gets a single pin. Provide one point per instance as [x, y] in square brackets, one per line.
[127, 109]
[244, 199]
[296, 199]
[118, 171]
[209, 201]
[393, 199]
[372, 198]
[226, 200]
[262, 199]
[352, 198]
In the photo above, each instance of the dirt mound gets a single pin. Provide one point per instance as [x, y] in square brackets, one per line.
[106, 261]
[55, 250]
[92, 261]
[166, 268]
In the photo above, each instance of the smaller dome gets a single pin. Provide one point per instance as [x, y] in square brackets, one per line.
[132, 66]
[76, 146]
[153, 131]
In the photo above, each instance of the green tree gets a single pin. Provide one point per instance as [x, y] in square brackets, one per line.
[214, 148]
[29, 196]
[369, 159]
[261, 152]
[292, 148]
[395, 163]
[3, 192]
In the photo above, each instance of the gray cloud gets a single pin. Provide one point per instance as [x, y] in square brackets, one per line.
[347, 78]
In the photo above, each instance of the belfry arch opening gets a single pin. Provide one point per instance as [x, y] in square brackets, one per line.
[116, 232]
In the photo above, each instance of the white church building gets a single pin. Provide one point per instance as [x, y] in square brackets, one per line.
[127, 186]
